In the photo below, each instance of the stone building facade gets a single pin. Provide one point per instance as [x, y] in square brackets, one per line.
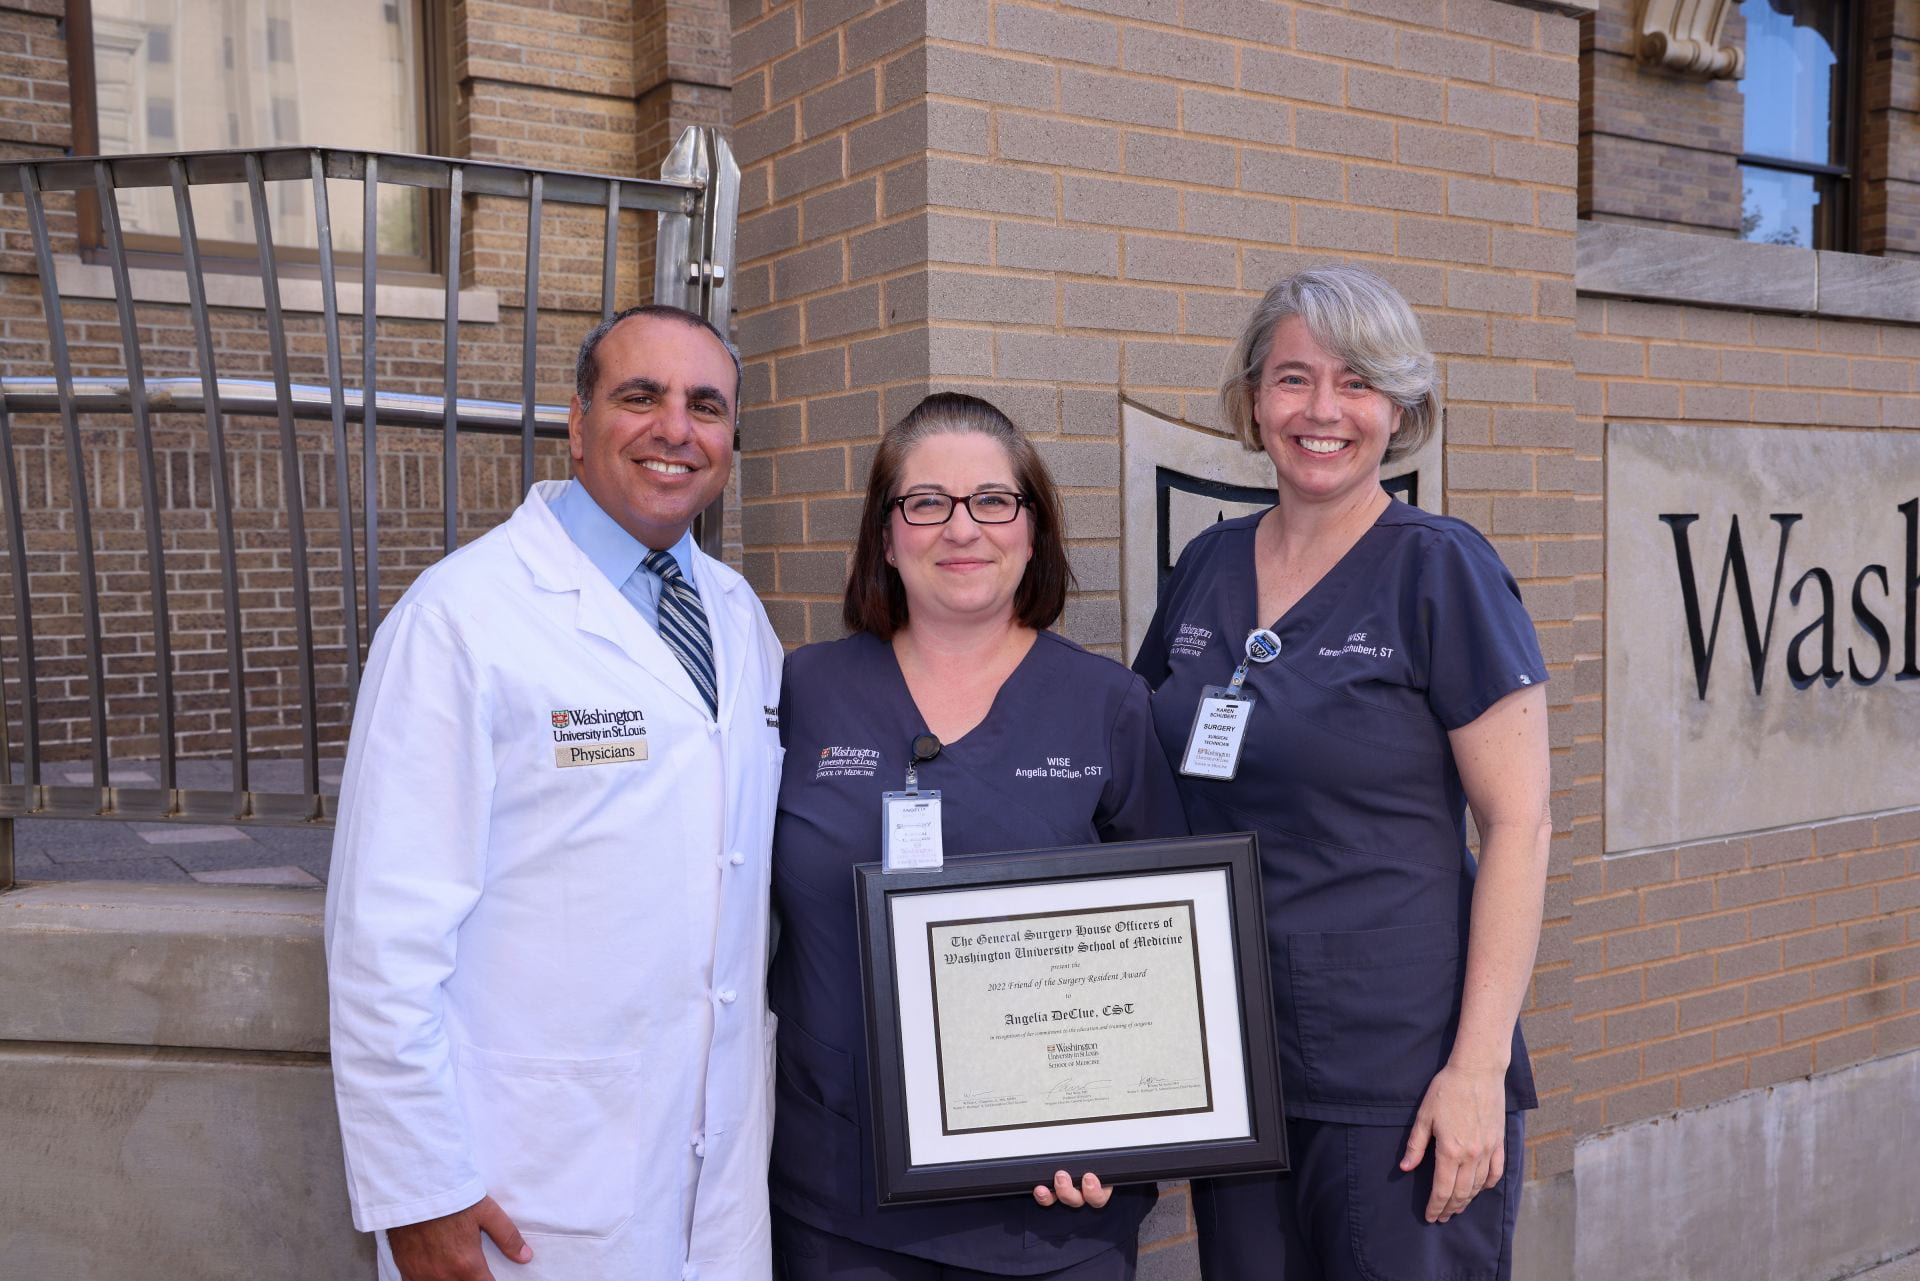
[1069, 207]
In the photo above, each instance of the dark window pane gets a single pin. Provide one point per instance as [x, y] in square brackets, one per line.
[279, 40]
[1777, 207]
[160, 45]
[1790, 85]
[160, 121]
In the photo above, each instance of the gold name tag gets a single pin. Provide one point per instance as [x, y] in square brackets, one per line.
[603, 752]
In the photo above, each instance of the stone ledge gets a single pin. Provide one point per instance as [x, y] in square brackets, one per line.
[207, 966]
[77, 279]
[1653, 265]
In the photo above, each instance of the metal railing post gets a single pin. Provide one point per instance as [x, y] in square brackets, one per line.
[693, 257]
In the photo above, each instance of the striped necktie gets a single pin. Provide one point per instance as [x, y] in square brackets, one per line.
[683, 625]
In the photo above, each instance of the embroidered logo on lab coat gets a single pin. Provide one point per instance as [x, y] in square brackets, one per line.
[1190, 641]
[1360, 643]
[846, 762]
[597, 735]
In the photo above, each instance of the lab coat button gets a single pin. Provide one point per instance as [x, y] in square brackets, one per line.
[699, 1145]
[736, 858]
[726, 995]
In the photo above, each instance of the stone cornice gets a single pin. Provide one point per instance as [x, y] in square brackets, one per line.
[1624, 261]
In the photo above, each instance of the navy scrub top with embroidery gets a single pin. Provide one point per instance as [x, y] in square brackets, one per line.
[1065, 756]
[1348, 779]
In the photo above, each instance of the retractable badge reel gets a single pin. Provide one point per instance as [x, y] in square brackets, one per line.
[1220, 722]
[910, 818]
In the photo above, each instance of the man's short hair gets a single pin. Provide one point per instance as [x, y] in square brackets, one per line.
[586, 366]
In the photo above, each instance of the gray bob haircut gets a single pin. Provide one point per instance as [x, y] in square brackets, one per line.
[1361, 319]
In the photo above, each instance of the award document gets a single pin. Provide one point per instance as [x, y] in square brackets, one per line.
[1057, 1002]
[1102, 1008]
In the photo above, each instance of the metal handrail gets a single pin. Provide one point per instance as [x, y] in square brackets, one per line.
[696, 201]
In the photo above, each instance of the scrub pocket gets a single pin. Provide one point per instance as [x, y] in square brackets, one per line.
[558, 1140]
[1375, 1011]
[816, 1141]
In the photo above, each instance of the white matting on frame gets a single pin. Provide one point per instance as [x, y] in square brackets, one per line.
[1177, 479]
[1229, 1116]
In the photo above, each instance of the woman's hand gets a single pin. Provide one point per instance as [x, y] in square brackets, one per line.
[1464, 1114]
[1090, 1192]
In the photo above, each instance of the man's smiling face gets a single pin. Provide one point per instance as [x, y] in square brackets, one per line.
[654, 446]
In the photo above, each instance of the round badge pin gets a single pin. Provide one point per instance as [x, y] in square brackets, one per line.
[1262, 645]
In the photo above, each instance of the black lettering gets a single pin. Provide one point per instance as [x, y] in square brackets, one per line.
[1870, 623]
[1702, 641]
[1910, 669]
[1796, 670]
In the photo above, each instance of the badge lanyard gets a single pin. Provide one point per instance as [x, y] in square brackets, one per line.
[910, 818]
[1220, 722]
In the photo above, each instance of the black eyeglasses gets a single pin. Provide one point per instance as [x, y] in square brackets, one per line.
[988, 507]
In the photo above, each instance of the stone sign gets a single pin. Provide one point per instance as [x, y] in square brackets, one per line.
[1761, 609]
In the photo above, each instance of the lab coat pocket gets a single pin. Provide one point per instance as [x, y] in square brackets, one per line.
[816, 1140]
[1375, 1011]
[560, 1142]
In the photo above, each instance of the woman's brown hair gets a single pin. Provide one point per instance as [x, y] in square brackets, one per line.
[876, 601]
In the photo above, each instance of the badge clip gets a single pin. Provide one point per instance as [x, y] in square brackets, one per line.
[910, 832]
[1220, 722]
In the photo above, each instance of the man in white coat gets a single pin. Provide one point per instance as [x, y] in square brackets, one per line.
[547, 911]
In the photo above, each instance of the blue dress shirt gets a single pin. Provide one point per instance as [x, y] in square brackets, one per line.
[615, 552]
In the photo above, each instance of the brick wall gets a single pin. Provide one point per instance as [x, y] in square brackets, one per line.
[598, 87]
[1727, 965]
[1890, 129]
[1050, 204]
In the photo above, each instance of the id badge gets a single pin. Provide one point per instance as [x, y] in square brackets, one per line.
[910, 831]
[1219, 726]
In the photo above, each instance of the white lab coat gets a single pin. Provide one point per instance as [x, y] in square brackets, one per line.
[548, 984]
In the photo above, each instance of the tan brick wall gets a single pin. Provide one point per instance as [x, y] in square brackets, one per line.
[1728, 965]
[1890, 130]
[1054, 205]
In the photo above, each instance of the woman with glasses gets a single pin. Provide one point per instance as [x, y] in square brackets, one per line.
[959, 567]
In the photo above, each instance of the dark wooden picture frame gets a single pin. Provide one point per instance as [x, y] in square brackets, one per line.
[901, 1181]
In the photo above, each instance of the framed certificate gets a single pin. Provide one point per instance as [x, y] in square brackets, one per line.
[1103, 1008]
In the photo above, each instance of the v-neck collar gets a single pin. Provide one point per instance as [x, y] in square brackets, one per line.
[905, 692]
[1303, 617]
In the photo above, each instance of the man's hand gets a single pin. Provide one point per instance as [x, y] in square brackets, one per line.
[448, 1248]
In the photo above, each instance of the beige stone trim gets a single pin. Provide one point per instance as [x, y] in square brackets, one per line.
[1625, 261]
[1685, 36]
[77, 279]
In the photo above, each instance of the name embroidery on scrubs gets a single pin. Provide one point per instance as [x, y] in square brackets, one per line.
[1060, 767]
[1190, 641]
[1358, 643]
[846, 762]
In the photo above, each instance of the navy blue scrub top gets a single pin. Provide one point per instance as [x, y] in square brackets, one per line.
[1348, 779]
[1065, 756]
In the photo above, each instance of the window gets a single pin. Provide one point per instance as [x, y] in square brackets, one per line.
[196, 75]
[1796, 166]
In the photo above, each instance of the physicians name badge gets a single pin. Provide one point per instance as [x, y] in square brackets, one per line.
[910, 832]
[1220, 722]
[604, 751]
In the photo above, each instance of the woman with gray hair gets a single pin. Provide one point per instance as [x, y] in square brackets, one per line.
[1346, 676]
